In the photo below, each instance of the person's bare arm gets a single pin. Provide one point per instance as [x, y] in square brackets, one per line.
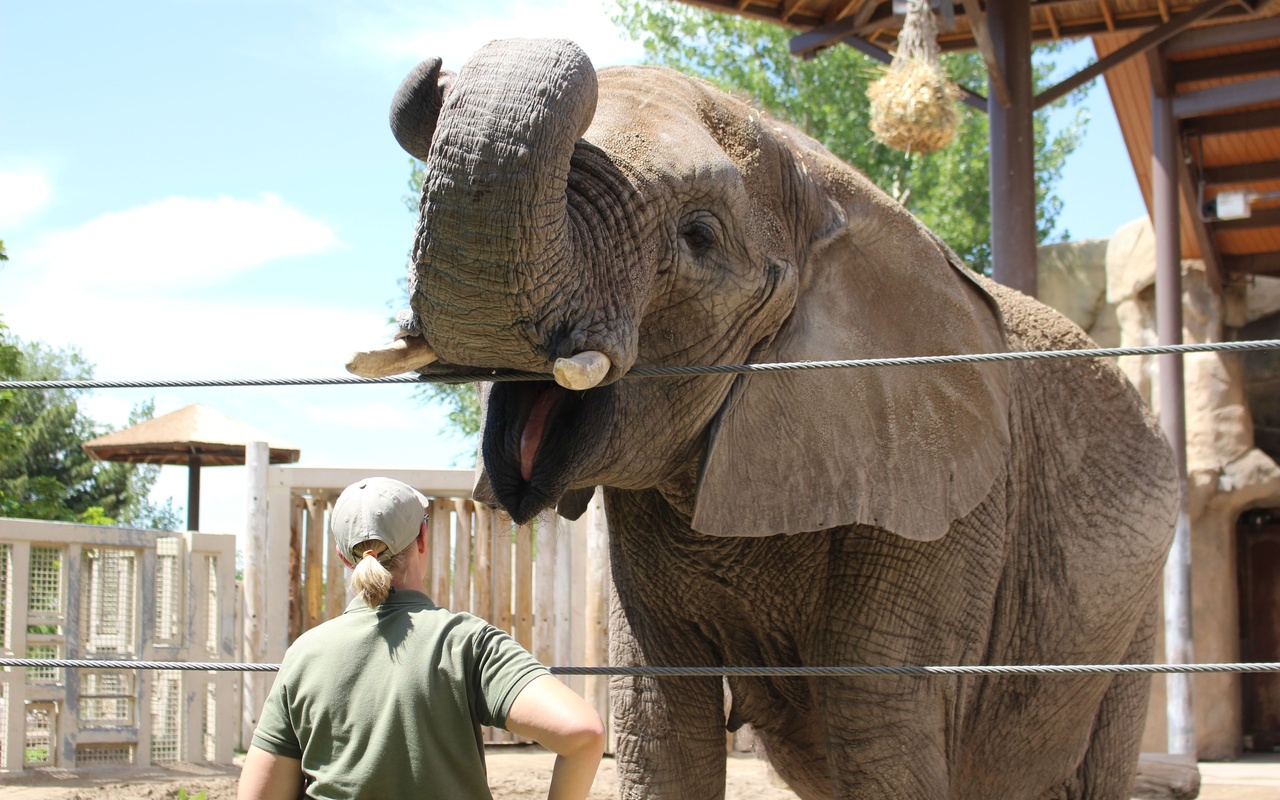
[267, 776]
[554, 716]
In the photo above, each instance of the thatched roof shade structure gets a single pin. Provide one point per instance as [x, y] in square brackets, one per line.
[194, 436]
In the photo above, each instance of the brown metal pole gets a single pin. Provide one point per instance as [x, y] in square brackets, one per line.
[193, 491]
[1013, 187]
[1165, 152]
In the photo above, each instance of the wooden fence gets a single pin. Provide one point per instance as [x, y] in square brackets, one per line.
[545, 583]
[81, 591]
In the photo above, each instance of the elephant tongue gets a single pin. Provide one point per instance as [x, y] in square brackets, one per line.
[534, 426]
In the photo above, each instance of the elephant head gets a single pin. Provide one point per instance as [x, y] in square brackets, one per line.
[581, 225]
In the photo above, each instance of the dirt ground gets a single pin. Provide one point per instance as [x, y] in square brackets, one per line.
[516, 772]
[522, 773]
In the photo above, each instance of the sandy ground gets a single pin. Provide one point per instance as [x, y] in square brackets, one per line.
[522, 773]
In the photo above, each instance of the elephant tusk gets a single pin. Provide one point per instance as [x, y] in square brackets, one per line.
[401, 356]
[583, 371]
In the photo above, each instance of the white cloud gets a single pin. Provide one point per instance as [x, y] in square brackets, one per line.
[179, 241]
[380, 416]
[455, 36]
[23, 195]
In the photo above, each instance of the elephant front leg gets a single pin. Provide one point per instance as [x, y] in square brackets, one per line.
[670, 731]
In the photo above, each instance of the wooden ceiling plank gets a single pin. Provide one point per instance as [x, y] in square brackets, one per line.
[1224, 98]
[790, 7]
[996, 82]
[841, 10]
[1138, 46]
[1232, 65]
[1242, 173]
[1247, 32]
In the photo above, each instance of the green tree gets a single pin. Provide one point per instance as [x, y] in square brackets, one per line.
[826, 97]
[44, 473]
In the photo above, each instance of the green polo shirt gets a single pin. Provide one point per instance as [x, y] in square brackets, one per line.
[389, 702]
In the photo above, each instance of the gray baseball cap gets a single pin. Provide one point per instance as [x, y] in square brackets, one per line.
[377, 508]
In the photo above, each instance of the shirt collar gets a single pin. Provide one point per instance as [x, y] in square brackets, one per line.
[397, 598]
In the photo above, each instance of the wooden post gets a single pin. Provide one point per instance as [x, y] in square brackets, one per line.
[144, 615]
[335, 577]
[15, 746]
[482, 585]
[255, 590]
[275, 616]
[562, 653]
[1012, 138]
[461, 597]
[314, 565]
[193, 491]
[544, 588]
[502, 571]
[438, 581]
[297, 615]
[597, 607]
[524, 586]
[69, 713]
[1165, 162]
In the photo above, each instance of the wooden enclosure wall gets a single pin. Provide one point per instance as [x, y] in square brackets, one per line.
[545, 583]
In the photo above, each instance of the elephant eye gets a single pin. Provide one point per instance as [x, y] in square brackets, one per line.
[699, 236]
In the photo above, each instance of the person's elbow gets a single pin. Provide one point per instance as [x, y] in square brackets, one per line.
[558, 718]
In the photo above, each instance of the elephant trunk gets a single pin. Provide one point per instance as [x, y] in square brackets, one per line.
[494, 241]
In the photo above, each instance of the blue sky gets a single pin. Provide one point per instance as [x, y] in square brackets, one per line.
[209, 189]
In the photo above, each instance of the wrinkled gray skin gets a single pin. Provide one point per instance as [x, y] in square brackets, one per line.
[991, 514]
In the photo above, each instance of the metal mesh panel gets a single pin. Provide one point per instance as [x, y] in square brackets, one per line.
[44, 598]
[211, 640]
[93, 755]
[107, 601]
[168, 590]
[106, 699]
[210, 727]
[43, 676]
[38, 742]
[6, 589]
[166, 716]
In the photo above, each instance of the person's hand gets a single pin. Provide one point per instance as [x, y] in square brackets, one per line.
[554, 716]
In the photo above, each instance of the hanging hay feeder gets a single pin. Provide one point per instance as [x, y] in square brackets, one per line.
[913, 105]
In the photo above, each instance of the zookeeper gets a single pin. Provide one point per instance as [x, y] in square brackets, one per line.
[387, 700]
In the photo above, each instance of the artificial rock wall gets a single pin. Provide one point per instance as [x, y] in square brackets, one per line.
[1108, 288]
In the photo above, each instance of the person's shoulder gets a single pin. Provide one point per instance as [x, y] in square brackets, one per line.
[319, 638]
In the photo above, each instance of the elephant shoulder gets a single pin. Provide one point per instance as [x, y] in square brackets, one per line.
[1032, 325]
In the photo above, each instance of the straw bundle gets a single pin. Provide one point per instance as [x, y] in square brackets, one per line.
[913, 105]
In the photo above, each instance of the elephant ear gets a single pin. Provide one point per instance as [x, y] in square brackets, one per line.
[908, 449]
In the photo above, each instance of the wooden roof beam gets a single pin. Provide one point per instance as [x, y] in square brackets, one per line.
[967, 95]
[806, 43]
[1253, 264]
[841, 10]
[1138, 46]
[1239, 122]
[1234, 65]
[1236, 33]
[996, 82]
[1206, 102]
[1260, 218]
[1242, 173]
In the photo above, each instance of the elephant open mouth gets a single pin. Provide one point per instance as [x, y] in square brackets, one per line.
[534, 441]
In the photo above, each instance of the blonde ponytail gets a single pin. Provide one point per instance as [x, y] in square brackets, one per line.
[370, 579]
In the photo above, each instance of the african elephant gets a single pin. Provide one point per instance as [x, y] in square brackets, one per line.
[580, 225]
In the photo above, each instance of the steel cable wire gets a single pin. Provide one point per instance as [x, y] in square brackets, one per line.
[673, 672]
[504, 376]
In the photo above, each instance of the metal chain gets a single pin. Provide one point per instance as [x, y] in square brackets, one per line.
[505, 376]
[671, 672]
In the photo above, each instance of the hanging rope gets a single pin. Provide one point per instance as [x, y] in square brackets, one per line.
[504, 376]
